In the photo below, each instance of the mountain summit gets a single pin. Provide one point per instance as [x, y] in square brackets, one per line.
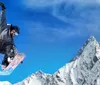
[84, 69]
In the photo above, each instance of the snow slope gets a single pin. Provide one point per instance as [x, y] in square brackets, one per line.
[84, 69]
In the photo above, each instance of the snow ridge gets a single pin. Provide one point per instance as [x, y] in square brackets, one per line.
[84, 69]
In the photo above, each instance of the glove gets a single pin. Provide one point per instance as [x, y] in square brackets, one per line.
[2, 5]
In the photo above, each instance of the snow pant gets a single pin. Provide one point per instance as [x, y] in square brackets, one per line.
[9, 51]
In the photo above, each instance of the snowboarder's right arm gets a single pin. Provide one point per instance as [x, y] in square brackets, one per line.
[2, 5]
[3, 24]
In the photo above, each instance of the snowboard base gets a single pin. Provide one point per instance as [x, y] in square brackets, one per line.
[14, 63]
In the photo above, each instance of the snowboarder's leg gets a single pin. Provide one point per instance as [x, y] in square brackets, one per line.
[9, 53]
[5, 62]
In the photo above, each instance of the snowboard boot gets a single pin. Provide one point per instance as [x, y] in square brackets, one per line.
[10, 59]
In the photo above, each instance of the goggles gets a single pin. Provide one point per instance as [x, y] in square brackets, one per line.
[15, 33]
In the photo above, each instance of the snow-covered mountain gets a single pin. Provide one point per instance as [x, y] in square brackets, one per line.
[84, 69]
[5, 83]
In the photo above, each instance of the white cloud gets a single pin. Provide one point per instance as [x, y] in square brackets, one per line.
[85, 18]
[39, 3]
[51, 3]
[84, 1]
[83, 15]
[40, 32]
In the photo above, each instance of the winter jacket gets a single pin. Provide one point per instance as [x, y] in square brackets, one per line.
[5, 36]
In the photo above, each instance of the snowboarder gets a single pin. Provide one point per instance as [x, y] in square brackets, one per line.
[7, 34]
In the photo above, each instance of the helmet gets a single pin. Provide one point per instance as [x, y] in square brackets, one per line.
[16, 28]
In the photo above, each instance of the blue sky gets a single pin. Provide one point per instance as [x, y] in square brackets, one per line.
[51, 32]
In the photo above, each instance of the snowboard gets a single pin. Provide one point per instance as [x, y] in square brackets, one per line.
[15, 62]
